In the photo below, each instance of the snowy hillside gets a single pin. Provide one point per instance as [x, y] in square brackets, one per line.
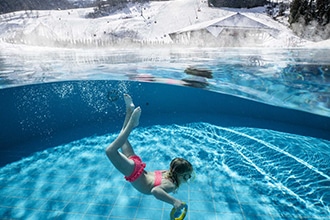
[138, 24]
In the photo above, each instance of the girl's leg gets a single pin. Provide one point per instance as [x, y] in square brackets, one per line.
[127, 147]
[119, 160]
[129, 109]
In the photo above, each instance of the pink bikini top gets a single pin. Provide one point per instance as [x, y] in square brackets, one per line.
[158, 178]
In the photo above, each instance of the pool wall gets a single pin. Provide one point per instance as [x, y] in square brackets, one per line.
[36, 117]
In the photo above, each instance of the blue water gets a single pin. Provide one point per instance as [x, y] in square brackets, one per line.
[292, 78]
[245, 169]
[242, 173]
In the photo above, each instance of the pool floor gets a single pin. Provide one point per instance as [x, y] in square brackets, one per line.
[93, 195]
[77, 181]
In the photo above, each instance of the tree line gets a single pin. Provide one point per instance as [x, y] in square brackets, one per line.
[310, 19]
[7, 6]
[307, 11]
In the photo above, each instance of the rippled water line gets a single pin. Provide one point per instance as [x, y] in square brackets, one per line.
[288, 78]
[279, 150]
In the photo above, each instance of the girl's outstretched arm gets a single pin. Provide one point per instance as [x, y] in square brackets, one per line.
[162, 195]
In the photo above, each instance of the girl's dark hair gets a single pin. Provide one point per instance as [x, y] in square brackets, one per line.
[179, 166]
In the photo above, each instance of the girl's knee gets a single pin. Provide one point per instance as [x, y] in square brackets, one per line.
[109, 151]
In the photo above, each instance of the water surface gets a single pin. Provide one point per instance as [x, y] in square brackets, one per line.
[297, 78]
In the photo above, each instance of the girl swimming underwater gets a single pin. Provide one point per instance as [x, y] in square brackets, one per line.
[158, 183]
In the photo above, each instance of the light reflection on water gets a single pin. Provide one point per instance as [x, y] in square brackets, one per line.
[298, 79]
[260, 172]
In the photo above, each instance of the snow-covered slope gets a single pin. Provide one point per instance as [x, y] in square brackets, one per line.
[144, 24]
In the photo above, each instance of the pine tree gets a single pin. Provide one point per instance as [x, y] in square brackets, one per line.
[295, 9]
[323, 11]
[309, 10]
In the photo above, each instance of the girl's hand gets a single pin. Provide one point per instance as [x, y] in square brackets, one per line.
[178, 205]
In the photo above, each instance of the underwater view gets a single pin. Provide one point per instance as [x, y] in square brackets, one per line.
[241, 173]
[253, 123]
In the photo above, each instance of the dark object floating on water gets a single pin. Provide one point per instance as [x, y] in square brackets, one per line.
[199, 72]
[196, 81]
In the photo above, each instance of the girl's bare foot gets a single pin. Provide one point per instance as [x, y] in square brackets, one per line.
[129, 104]
[135, 118]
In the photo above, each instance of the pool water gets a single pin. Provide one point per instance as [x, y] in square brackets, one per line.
[257, 132]
[242, 173]
[290, 78]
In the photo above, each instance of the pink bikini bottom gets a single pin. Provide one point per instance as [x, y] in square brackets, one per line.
[138, 168]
